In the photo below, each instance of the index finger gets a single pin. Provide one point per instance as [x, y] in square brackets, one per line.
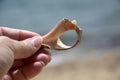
[16, 34]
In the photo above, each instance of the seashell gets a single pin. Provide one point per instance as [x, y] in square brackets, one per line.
[52, 39]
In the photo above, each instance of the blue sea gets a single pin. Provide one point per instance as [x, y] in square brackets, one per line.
[99, 19]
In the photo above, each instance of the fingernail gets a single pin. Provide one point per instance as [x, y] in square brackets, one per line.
[43, 64]
[37, 41]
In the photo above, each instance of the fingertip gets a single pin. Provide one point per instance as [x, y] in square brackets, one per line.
[29, 46]
[27, 71]
[38, 65]
[7, 77]
[33, 69]
[37, 41]
[44, 58]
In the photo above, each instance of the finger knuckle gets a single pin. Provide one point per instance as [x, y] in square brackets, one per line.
[4, 39]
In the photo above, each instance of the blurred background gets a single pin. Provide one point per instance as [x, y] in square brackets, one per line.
[98, 55]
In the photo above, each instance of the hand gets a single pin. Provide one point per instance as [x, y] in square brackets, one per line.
[20, 55]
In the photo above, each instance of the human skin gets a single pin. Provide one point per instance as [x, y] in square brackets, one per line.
[20, 55]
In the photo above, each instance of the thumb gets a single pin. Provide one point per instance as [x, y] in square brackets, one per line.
[26, 48]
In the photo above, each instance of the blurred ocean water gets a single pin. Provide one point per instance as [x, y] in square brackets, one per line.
[99, 19]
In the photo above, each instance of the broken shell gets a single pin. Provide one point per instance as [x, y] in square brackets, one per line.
[52, 39]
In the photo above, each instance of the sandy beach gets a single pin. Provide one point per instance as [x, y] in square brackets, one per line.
[105, 66]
